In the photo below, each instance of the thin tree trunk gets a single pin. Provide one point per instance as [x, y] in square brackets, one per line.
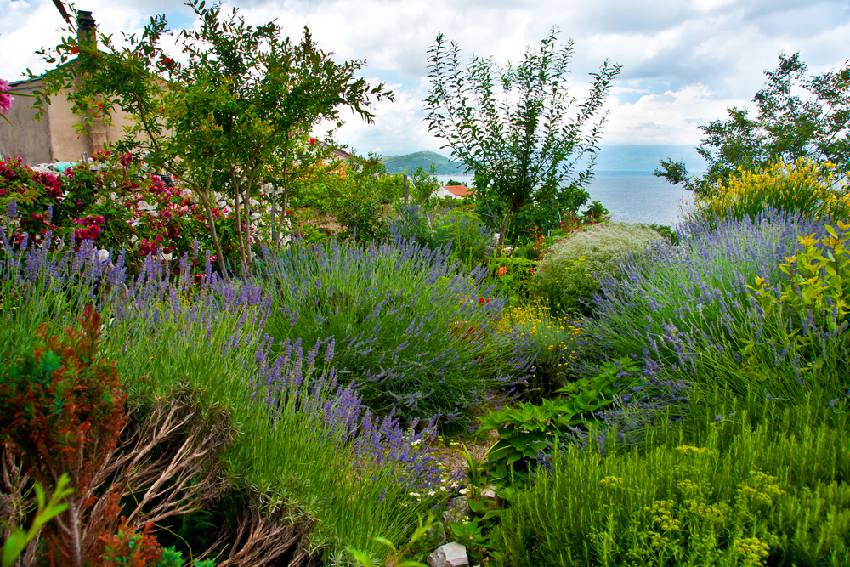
[205, 199]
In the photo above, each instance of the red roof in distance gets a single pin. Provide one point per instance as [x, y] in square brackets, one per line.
[457, 190]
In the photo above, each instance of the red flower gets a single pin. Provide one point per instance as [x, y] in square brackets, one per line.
[480, 300]
[75, 50]
[531, 271]
[312, 141]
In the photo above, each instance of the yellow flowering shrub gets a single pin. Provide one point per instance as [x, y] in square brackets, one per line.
[814, 287]
[552, 337]
[803, 187]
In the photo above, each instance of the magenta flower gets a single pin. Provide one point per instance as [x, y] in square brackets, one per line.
[5, 97]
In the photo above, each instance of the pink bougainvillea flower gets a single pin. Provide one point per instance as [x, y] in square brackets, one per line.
[5, 97]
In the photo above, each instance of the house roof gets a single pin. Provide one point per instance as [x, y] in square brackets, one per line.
[458, 190]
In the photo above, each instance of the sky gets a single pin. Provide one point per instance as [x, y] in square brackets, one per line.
[684, 61]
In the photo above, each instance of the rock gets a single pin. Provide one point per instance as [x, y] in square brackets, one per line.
[451, 554]
[457, 511]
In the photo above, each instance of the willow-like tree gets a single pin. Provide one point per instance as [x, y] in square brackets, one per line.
[225, 118]
[529, 143]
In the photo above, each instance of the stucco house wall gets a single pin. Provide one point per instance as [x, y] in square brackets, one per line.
[55, 137]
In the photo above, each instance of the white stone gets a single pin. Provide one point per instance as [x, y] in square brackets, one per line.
[451, 554]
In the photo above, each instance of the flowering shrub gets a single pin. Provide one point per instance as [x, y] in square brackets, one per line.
[674, 302]
[116, 203]
[5, 97]
[304, 435]
[413, 329]
[569, 273]
[551, 344]
[803, 187]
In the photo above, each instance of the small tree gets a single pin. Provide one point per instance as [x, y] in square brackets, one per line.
[228, 117]
[796, 116]
[518, 129]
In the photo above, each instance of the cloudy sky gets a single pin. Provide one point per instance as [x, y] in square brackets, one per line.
[684, 61]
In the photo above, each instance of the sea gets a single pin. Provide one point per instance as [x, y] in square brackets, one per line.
[624, 183]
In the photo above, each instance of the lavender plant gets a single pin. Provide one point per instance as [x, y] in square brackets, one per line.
[412, 328]
[306, 439]
[674, 307]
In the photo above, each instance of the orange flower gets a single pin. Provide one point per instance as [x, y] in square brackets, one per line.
[502, 271]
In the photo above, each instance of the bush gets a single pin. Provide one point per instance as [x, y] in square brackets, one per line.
[514, 277]
[774, 493]
[801, 188]
[412, 328]
[470, 240]
[691, 310]
[550, 342]
[307, 451]
[117, 202]
[570, 272]
[462, 231]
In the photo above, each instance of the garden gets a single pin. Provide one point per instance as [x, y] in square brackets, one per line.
[225, 342]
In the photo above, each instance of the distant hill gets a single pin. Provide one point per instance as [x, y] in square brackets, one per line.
[409, 163]
[612, 159]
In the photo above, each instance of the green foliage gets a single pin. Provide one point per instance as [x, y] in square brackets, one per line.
[514, 277]
[813, 290]
[458, 228]
[411, 326]
[796, 116]
[518, 131]
[572, 268]
[741, 494]
[46, 510]
[469, 240]
[528, 432]
[419, 543]
[226, 119]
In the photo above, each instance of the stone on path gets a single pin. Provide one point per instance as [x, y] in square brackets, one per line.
[451, 554]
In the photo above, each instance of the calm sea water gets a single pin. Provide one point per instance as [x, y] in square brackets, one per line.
[636, 197]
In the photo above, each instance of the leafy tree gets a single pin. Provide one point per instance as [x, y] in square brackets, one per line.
[530, 146]
[796, 115]
[226, 118]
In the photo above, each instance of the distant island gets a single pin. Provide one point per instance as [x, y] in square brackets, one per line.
[425, 159]
[613, 158]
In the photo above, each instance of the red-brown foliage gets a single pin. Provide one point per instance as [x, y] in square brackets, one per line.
[62, 410]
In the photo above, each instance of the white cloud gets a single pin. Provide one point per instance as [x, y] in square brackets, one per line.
[684, 62]
[672, 117]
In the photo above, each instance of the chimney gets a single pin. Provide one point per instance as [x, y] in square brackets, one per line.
[86, 30]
